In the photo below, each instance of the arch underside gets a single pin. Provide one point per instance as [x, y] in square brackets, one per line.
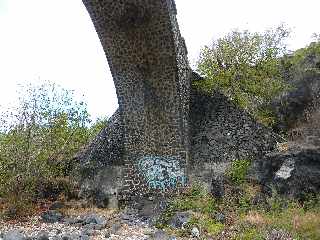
[148, 61]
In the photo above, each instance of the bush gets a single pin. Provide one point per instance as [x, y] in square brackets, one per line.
[245, 66]
[238, 170]
[39, 139]
[200, 204]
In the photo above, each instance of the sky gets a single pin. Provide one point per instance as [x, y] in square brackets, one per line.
[54, 40]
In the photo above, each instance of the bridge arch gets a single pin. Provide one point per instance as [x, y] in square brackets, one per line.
[148, 60]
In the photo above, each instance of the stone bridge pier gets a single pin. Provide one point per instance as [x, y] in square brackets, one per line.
[148, 60]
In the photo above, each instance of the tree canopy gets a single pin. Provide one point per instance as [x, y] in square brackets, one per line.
[245, 66]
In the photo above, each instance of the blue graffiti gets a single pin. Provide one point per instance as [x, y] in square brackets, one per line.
[162, 173]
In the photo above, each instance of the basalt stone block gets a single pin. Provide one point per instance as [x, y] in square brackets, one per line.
[42, 236]
[52, 216]
[180, 219]
[295, 173]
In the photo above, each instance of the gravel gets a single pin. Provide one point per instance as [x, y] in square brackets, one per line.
[91, 227]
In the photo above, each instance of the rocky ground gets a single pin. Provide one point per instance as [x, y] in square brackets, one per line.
[55, 225]
[124, 226]
[68, 221]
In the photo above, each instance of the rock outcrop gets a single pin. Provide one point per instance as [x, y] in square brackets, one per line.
[294, 172]
[303, 74]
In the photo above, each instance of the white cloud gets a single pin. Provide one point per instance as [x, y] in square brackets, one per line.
[202, 20]
[55, 40]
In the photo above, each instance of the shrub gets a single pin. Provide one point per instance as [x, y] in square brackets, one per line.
[277, 216]
[39, 139]
[238, 170]
[200, 204]
[246, 67]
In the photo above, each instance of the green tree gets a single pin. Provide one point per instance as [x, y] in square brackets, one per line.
[245, 66]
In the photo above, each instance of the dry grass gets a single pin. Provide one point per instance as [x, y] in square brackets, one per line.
[282, 147]
[255, 218]
[299, 223]
[251, 190]
[76, 208]
[307, 225]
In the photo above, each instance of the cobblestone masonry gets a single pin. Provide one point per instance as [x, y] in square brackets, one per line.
[220, 132]
[148, 60]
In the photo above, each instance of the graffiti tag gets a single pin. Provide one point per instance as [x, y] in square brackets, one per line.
[162, 173]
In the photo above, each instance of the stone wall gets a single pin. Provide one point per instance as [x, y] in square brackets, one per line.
[100, 166]
[148, 61]
[221, 133]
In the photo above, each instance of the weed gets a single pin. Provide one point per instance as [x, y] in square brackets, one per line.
[238, 170]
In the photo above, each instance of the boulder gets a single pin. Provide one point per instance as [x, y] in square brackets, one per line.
[195, 232]
[293, 106]
[115, 228]
[161, 235]
[73, 220]
[220, 217]
[294, 173]
[217, 187]
[51, 216]
[74, 236]
[56, 205]
[94, 219]
[56, 238]
[42, 236]
[14, 235]
[180, 219]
